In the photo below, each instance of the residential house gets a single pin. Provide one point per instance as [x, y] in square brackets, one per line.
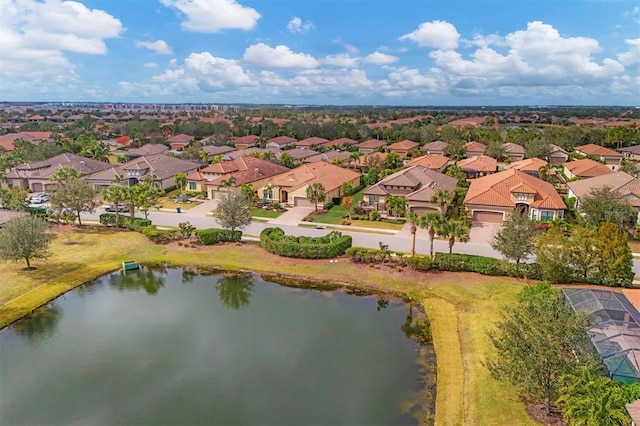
[609, 157]
[36, 176]
[161, 168]
[244, 142]
[6, 141]
[435, 162]
[585, 168]
[530, 166]
[273, 153]
[624, 184]
[231, 175]
[403, 147]
[478, 166]
[215, 150]
[474, 149]
[365, 161]
[281, 142]
[329, 157]
[491, 198]
[436, 147]
[290, 187]
[309, 143]
[339, 143]
[148, 149]
[371, 145]
[557, 155]
[513, 152]
[9, 215]
[300, 154]
[629, 152]
[179, 142]
[416, 184]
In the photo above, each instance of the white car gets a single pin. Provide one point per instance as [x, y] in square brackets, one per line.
[39, 199]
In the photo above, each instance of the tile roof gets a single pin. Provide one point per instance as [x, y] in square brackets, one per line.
[330, 176]
[587, 168]
[513, 149]
[435, 146]
[283, 140]
[474, 146]
[414, 180]
[340, 142]
[430, 161]
[530, 164]
[328, 156]
[495, 190]
[246, 140]
[371, 144]
[45, 168]
[9, 215]
[626, 185]
[481, 163]
[593, 149]
[252, 169]
[404, 145]
[314, 140]
[180, 138]
[163, 166]
[217, 149]
[148, 149]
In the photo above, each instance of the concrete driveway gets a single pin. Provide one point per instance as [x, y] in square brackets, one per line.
[292, 217]
[482, 232]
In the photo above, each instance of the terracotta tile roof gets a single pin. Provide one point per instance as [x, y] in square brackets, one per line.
[163, 166]
[148, 149]
[330, 176]
[246, 140]
[555, 148]
[468, 121]
[253, 169]
[314, 140]
[513, 149]
[404, 145]
[180, 138]
[481, 163]
[371, 144]
[328, 156]
[495, 190]
[587, 168]
[435, 146]
[626, 185]
[530, 164]
[217, 150]
[300, 154]
[45, 168]
[249, 151]
[593, 149]
[430, 161]
[340, 142]
[414, 181]
[283, 140]
[474, 146]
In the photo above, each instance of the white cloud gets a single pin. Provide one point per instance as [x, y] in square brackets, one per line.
[296, 25]
[34, 38]
[150, 65]
[342, 60]
[632, 57]
[262, 55]
[210, 16]
[159, 46]
[437, 34]
[378, 58]
[633, 12]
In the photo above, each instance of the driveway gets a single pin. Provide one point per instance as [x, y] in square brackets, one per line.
[292, 217]
[201, 209]
[482, 232]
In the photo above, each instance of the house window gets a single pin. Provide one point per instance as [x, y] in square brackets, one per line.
[374, 199]
[546, 215]
[534, 214]
[267, 194]
[193, 186]
[522, 197]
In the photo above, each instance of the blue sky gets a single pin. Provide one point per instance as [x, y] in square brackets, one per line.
[340, 52]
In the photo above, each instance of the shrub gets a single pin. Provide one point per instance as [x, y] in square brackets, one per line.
[364, 255]
[331, 245]
[374, 215]
[212, 236]
[329, 205]
[160, 236]
[417, 263]
[486, 266]
[135, 224]
[345, 222]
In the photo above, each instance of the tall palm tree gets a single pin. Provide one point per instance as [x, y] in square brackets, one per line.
[114, 194]
[431, 221]
[454, 230]
[354, 157]
[442, 197]
[228, 182]
[414, 219]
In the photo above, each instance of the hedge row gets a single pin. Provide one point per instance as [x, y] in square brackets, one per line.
[160, 236]
[364, 255]
[486, 266]
[333, 244]
[212, 236]
[124, 221]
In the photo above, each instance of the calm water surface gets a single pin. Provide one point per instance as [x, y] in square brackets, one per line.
[175, 348]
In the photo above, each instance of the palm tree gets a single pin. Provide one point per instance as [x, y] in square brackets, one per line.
[414, 219]
[316, 194]
[268, 155]
[454, 230]
[354, 157]
[114, 194]
[181, 181]
[396, 204]
[442, 197]
[228, 182]
[431, 221]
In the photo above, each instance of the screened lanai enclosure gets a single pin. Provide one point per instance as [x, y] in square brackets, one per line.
[616, 334]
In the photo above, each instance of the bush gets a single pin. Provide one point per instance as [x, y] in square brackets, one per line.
[160, 236]
[364, 255]
[212, 236]
[328, 206]
[417, 263]
[374, 215]
[135, 224]
[333, 244]
[485, 266]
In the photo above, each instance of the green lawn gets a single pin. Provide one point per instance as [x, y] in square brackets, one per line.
[270, 214]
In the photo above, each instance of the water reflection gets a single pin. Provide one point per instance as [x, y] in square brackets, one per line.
[41, 323]
[418, 330]
[382, 303]
[235, 290]
[147, 279]
[188, 275]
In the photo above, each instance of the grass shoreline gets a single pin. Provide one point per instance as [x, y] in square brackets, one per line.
[460, 306]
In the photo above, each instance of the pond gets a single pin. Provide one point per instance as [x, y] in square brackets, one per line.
[173, 347]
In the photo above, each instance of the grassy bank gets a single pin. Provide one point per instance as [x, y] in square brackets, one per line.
[461, 306]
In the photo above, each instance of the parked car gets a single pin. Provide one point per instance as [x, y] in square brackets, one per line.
[121, 208]
[39, 199]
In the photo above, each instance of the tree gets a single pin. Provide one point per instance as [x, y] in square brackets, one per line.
[614, 257]
[393, 161]
[77, 196]
[515, 239]
[233, 211]
[604, 204]
[25, 238]
[181, 181]
[414, 220]
[228, 183]
[589, 398]
[432, 221]
[346, 203]
[537, 341]
[630, 168]
[248, 191]
[114, 194]
[354, 158]
[454, 230]
[145, 196]
[396, 205]
[13, 198]
[63, 174]
[287, 160]
[316, 194]
[441, 197]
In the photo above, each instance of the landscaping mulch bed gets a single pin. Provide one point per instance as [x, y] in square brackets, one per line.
[536, 412]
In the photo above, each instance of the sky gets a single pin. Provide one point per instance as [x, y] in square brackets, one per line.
[322, 52]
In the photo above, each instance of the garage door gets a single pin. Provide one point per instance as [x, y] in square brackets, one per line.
[37, 187]
[301, 202]
[421, 210]
[493, 217]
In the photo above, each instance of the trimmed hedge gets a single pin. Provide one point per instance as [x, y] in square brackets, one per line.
[364, 255]
[124, 221]
[418, 263]
[485, 266]
[160, 236]
[212, 236]
[333, 244]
